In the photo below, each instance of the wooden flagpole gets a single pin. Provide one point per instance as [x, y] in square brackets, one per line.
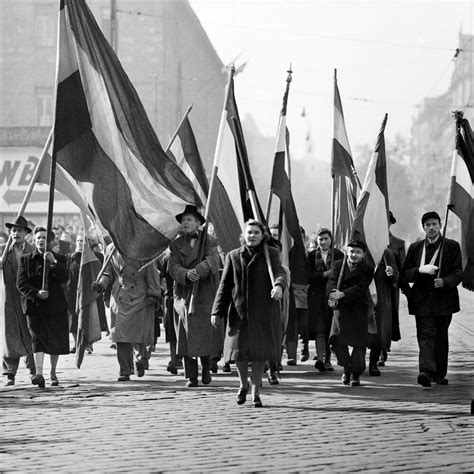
[333, 185]
[27, 196]
[215, 167]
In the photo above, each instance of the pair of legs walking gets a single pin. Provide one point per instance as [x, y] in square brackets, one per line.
[191, 370]
[258, 368]
[127, 354]
[352, 362]
[11, 364]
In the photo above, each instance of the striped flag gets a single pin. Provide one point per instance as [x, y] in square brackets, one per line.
[185, 151]
[461, 194]
[104, 140]
[293, 249]
[344, 176]
[231, 163]
[371, 218]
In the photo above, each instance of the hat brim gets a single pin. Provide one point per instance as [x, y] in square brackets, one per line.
[9, 225]
[180, 216]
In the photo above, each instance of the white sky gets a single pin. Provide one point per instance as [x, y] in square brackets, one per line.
[389, 56]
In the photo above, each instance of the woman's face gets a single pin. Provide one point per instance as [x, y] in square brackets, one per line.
[253, 235]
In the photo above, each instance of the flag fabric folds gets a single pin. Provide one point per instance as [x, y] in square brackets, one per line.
[371, 218]
[461, 194]
[88, 327]
[104, 140]
[232, 163]
[343, 175]
[293, 249]
[221, 213]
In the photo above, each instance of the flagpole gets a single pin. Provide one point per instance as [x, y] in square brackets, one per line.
[215, 167]
[173, 138]
[27, 196]
[333, 186]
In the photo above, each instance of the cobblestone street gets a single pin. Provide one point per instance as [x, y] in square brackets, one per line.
[310, 422]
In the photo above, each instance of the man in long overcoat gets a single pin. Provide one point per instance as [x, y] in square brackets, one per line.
[135, 294]
[196, 337]
[16, 338]
[350, 302]
[434, 266]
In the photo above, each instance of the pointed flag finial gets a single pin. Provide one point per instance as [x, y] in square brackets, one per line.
[290, 72]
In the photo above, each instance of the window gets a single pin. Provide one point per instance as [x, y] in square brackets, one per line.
[45, 25]
[44, 106]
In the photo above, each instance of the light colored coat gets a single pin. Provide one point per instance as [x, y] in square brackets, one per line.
[132, 318]
[16, 339]
[195, 335]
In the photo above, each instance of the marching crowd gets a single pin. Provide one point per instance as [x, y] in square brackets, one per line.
[242, 309]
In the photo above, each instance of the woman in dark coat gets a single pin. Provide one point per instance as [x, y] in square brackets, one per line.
[250, 301]
[46, 310]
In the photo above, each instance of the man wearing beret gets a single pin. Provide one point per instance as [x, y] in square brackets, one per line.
[434, 267]
[16, 339]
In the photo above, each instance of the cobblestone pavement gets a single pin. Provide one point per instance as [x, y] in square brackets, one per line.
[310, 422]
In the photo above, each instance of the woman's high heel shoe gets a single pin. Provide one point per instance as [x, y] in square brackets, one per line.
[241, 396]
[256, 402]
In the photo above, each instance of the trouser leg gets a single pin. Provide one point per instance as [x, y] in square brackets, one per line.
[190, 367]
[426, 334]
[291, 349]
[242, 371]
[357, 363]
[327, 353]
[320, 345]
[342, 355]
[205, 362]
[30, 363]
[10, 365]
[441, 345]
[125, 357]
[302, 315]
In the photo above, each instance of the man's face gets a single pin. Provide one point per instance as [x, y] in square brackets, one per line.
[355, 255]
[40, 241]
[79, 243]
[432, 228]
[190, 224]
[324, 242]
[18, 235]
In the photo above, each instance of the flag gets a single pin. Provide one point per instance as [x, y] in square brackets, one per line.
[343, 175]
[293, 249]
[231, 163]
[88, 326]
[461, 194]
[185, 151]
[104, 140]
[371, 218]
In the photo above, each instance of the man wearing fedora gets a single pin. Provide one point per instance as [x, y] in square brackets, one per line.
[16, 339]
[195, 335]
[434, 266]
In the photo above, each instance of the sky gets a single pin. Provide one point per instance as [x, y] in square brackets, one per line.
[389, 56]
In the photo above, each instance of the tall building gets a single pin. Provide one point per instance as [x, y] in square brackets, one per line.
[433, 131]
[162, 47]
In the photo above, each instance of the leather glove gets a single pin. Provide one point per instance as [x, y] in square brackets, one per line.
[97, 287]
[428, 269]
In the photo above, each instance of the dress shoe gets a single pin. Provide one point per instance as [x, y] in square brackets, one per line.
[440, 381]
[315, 358]
[291, 362]
[328, 367]
[38, 380]
[54, 381]
[73, 350]
[123, 378]
[256, 402]
[226, 368]
[272, 378]
[320, 365]
[355, 381]
[89, 350]
[346, 378]
[113, 346]
[424, 379]
[214, 367]
[140, 368]
[206, 376]
[172, 368]
[192, 382]
[241, 396]
[304, 353]
[10, 381]
[374, 370]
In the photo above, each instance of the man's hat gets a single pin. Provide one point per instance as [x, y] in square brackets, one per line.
[391, 218]
[358, 244]
[324, 230]
[430, 215]
[20, 221]
[190, 210]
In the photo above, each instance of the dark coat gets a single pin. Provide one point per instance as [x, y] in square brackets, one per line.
[195, 334]
[383, 309]
[319, 313]
[424, 298]
[351, 318]
[397, 247]
[15, 337]
[253, 329]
